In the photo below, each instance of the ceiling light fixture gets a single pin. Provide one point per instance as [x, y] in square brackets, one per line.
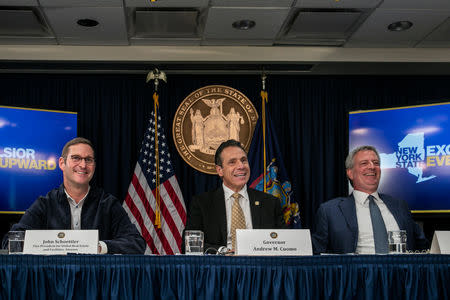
[400, 26]
[87, 22]
[244, 24]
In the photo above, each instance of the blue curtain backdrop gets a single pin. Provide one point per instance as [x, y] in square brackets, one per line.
[309, 112]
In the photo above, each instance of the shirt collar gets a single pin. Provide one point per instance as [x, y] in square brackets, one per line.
[70, 199]
[361, 197]
[228, 192]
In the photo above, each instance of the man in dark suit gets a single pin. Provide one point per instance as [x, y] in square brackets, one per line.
[346, 224]
[213, 212]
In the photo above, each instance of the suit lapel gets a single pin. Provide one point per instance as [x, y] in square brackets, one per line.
[64, 209]
[348, 209]
[391, 205]
[221, 214]
[254, 209]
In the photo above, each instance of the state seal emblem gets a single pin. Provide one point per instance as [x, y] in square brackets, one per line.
[208, 117]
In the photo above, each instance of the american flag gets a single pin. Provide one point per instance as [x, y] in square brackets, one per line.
[140, 202]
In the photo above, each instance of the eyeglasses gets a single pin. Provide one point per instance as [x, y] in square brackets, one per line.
[77, 159]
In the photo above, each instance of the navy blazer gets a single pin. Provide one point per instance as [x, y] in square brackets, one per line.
[208, 213]
[337, 226]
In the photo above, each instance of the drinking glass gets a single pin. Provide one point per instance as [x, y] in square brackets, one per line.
[15, 242]
[397, 241]
[193, 242]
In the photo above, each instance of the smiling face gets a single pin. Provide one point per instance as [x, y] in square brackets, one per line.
[235, 170]
[77, 174]
[365, 173]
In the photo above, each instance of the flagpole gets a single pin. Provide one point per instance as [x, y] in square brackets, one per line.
[155, 75]
[263, 111]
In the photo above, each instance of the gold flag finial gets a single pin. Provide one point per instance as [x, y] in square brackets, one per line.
[264, 95]
[263, 80]
[156, 75]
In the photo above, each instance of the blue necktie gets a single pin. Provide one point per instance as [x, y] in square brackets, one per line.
[379, 229]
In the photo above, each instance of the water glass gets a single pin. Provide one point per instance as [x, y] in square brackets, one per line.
[397, 241]
[15, 242]
[193, 242]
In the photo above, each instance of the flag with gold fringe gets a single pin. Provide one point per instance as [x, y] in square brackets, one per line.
[268, 169]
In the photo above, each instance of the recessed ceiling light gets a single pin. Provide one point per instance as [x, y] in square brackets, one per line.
[244, 24]
[87, 22]
[400, 26]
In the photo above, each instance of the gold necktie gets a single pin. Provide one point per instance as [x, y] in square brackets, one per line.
[237, 219]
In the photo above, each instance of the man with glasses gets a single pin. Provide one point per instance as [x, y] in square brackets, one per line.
[77, 205]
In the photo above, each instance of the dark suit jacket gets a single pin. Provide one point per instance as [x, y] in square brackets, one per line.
[337, 226]
[207, 213]
[100, 211]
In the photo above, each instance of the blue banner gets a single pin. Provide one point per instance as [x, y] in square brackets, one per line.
[414, 147]
[30, 146]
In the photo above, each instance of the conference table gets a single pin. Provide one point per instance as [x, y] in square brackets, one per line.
[407, 276]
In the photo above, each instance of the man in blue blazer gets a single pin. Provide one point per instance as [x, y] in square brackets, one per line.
[211, 212]
[344, 224]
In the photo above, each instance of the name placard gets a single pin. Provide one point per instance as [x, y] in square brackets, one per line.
[273, 242]
[61, 242]
[441, 242]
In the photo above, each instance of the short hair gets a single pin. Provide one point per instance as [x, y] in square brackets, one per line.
[226, 144]
[349, 161]
[76, 141]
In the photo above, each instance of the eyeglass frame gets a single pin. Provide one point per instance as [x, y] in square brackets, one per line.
[76, 159]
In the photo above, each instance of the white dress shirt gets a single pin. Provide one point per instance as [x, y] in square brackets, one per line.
[366, 244]
[245, 205]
